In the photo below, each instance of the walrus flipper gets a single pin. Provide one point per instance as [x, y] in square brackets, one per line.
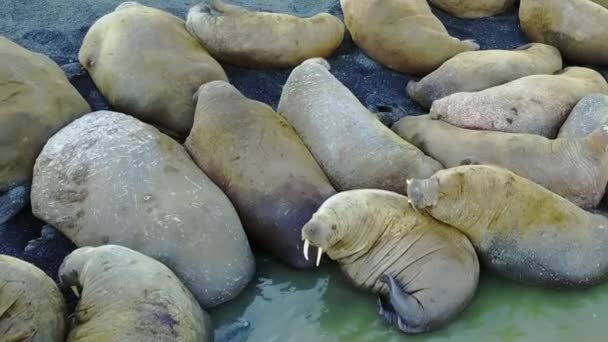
[401, 308]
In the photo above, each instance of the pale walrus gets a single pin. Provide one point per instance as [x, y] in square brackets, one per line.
[424, 271]
[473, 8]
[574, 168]
[236, 35]
[479, 70]
[259, 161]
[578, 28]
[404, 35]
[537, 104]
[589, 114]
[127, 296]
[352, 146]
[146, 64]
[31, 306]
[520, 229]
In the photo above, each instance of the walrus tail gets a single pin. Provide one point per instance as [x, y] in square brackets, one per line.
[318, 60]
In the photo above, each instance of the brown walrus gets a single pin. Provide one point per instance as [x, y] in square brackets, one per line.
[403, 35]
[146, 64]
[31, 306]
[479, 70]
[578, 28]
[236, 35]
[354, 149]
[537, 104]
[425, 272]
[520, 229]
[127, 296]
[259, 161]
[473, 8]
[574, 168]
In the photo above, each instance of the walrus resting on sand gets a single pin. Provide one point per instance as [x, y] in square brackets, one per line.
[127, 296]
[473, 8]
[574, 168]
[352, 146]
[259, 161]
[479, 70]
[520, 229]
[537, 104]
[31, 306]
[424, 271]
[403, 35]
[236, 35]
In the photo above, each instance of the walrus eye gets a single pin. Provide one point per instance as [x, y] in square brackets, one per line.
[334, 227]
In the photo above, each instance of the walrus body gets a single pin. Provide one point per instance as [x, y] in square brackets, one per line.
[403, 35]
[352, 146]
[425, 272]
[537, 104]
[589, 114]
[479, 70]
[574, 168]
[259, 161]
[127, 296]
[473, 8]
[520, 229]
[558, 23]
[146, 64]
[236, 35]
[31, 306]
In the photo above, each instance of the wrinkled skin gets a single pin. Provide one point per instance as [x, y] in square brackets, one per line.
[127, 296]
[479, 70]
[108, 178]
[473, 8]
[403, 35]
[578, 28]
[537, 104]
[574, 168]
[589, 114]
[252, 39]
[352, 146]
[425, 272]
[520, 229]
[31, 306]
[36, 101]
[259, 161]
[121, 53]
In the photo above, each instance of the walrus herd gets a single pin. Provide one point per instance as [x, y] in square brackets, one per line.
[167, 194]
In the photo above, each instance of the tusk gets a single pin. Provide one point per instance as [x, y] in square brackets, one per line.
[408, 181]
[319, 254]
[75, 290]
[306, 246]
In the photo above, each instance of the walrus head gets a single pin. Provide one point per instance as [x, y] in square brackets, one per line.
[320, 231]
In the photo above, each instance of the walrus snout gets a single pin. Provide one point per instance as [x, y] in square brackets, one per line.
[423, 193]
[312, 234]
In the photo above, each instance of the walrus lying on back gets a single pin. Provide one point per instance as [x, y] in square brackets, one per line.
[520, 229]
[424, 271]
[479, 70]
[403, 35]
[574, 168]
[261, 39]
[473, 8]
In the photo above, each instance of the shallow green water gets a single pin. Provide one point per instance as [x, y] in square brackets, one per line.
[319, 305]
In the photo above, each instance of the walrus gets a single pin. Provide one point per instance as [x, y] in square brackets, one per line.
[520, 229]
[259, 161]
[601, 2]
[574, 168]
[253, 39]
[36, 101]
[589, 114]
[479, 70]
[425, 272]
[403, 35]
[127, 296]
[578, 28]
[31, 306]
[473, 8]
[146, 64]
[536, 104]
[108, 178]
[354, 149]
